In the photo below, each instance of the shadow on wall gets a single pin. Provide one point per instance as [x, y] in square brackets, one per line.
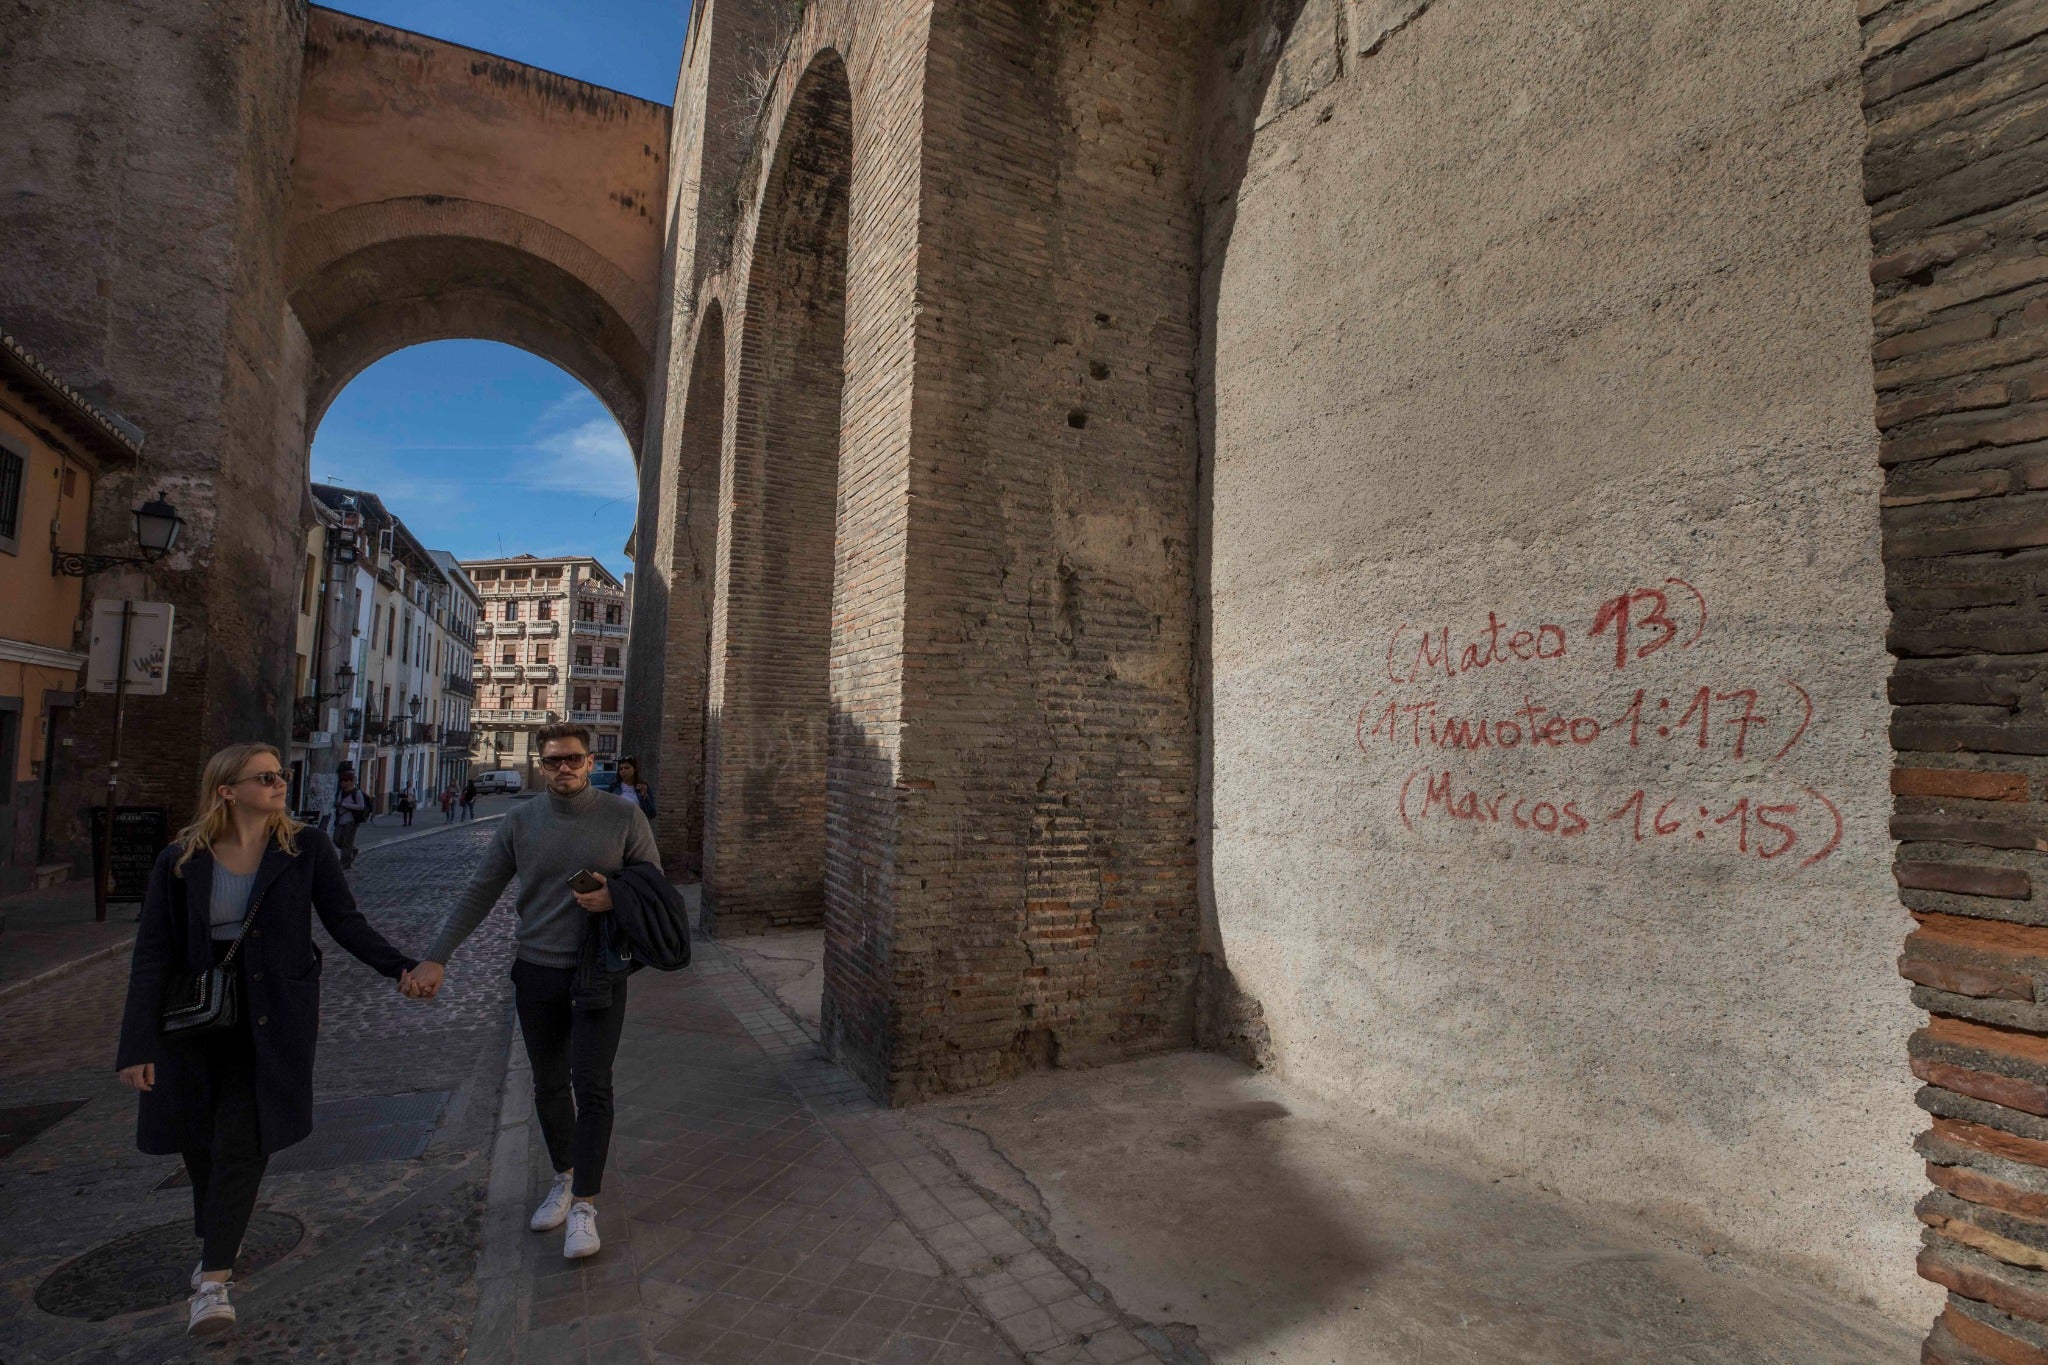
[1270, 56]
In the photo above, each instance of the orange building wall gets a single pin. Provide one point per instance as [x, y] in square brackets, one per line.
[41, 606]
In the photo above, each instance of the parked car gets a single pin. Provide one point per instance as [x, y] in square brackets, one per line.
[497, 780]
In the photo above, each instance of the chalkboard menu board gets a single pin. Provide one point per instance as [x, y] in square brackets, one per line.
[140, 833]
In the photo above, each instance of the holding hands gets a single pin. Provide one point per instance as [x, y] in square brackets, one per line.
[422, 981]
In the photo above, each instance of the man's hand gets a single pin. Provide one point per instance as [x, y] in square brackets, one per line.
[422, 981]
[598, 901]
[141, 1077]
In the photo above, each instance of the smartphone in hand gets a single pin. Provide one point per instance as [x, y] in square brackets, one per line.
[585, 882]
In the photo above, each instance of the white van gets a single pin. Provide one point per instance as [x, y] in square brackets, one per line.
[497, 780]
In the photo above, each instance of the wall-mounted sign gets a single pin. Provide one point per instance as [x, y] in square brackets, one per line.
[149, 647]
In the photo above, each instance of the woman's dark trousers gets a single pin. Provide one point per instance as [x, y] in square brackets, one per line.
[571, 1051]
[226, 1172]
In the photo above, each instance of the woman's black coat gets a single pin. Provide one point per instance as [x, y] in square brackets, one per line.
[281, 971]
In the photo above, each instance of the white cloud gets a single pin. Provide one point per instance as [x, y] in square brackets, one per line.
[589, 457]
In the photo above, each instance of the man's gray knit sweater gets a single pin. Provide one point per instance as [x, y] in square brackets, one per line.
[545, 842]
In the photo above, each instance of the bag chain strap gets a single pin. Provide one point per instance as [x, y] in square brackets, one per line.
[247, 920]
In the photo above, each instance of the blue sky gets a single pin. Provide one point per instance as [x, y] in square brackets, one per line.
[470, 441]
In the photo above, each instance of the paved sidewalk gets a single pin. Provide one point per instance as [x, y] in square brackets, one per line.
[761, 1210]
[53, 931]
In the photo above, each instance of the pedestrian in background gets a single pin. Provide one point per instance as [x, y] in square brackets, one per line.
[237, 888]
[448, 797]
[407, 801]
[469, 800]
[632, 789]
[351, 809]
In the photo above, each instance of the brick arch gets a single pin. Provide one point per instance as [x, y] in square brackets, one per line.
[689, 534]
[314, 246]
[766, 860]
[382, 297]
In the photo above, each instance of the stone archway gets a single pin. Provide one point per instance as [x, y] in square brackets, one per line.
[765, 859]
[439, 192]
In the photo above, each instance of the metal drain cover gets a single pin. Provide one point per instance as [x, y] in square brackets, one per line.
[151, 1268]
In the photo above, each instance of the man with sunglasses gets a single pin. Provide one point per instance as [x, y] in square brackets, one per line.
[571, 1029]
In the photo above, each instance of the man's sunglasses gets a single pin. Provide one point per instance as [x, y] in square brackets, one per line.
[554, 761]
[267, 779]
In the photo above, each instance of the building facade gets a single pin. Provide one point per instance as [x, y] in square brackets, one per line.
[551, 645]
[456, 665]
[54, 446]
[394, 657]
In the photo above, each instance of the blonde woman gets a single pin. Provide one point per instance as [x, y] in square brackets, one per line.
[228, 1101]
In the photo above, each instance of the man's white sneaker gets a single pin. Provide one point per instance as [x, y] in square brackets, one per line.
[582, 1239]
[553, 1210]
[212, 1314]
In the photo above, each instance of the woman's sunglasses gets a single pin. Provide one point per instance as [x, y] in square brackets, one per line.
[267, 779]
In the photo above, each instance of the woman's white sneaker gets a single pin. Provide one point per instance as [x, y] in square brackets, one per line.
[553, 1210]
[212, 1314]
[582, 1239]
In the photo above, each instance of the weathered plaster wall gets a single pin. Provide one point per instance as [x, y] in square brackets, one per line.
[142, 242]
[1531, 310]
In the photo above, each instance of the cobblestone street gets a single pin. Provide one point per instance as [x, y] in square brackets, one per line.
[389, 1189]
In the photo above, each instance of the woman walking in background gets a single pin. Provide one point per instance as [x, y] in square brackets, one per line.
[469, 800]
[632, 789]
[237, 888]
[448, 799]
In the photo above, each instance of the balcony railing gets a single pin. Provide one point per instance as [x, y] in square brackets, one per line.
[483, 630]
[511, 630]
[460, 687]
[544, 630]
[425, 732]
[596, 717]
[511, 716]
[457, 739]
[461, 634]
[305, 718]
[602, 628]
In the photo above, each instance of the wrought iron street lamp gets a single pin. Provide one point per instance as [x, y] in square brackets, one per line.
[157, 525]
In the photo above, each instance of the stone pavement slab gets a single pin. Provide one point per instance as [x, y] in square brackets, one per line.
[45, 933]
[763, 1211]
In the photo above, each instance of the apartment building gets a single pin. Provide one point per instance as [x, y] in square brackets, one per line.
[393, 652]
[55, 446]
[458, 670]
[551, 645]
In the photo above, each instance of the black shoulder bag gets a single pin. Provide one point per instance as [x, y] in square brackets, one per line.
[201, 1004]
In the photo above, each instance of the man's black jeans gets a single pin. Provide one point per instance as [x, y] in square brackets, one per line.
[571, 1051]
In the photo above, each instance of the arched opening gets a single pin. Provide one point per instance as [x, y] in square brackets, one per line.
[765, 840]
[452, 455]
[693, 555]
[402, 291]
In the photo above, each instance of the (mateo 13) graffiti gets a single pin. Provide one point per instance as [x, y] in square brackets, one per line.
[1627, 682]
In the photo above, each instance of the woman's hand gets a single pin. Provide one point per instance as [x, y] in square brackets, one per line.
[141, 1077]
[422, 982]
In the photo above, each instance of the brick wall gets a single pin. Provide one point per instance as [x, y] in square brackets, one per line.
[1956, 182]
[1046, 906]
[765, 856]
[684, 648]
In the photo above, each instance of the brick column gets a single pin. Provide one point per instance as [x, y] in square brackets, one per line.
[765, 849]
[1955, 176]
